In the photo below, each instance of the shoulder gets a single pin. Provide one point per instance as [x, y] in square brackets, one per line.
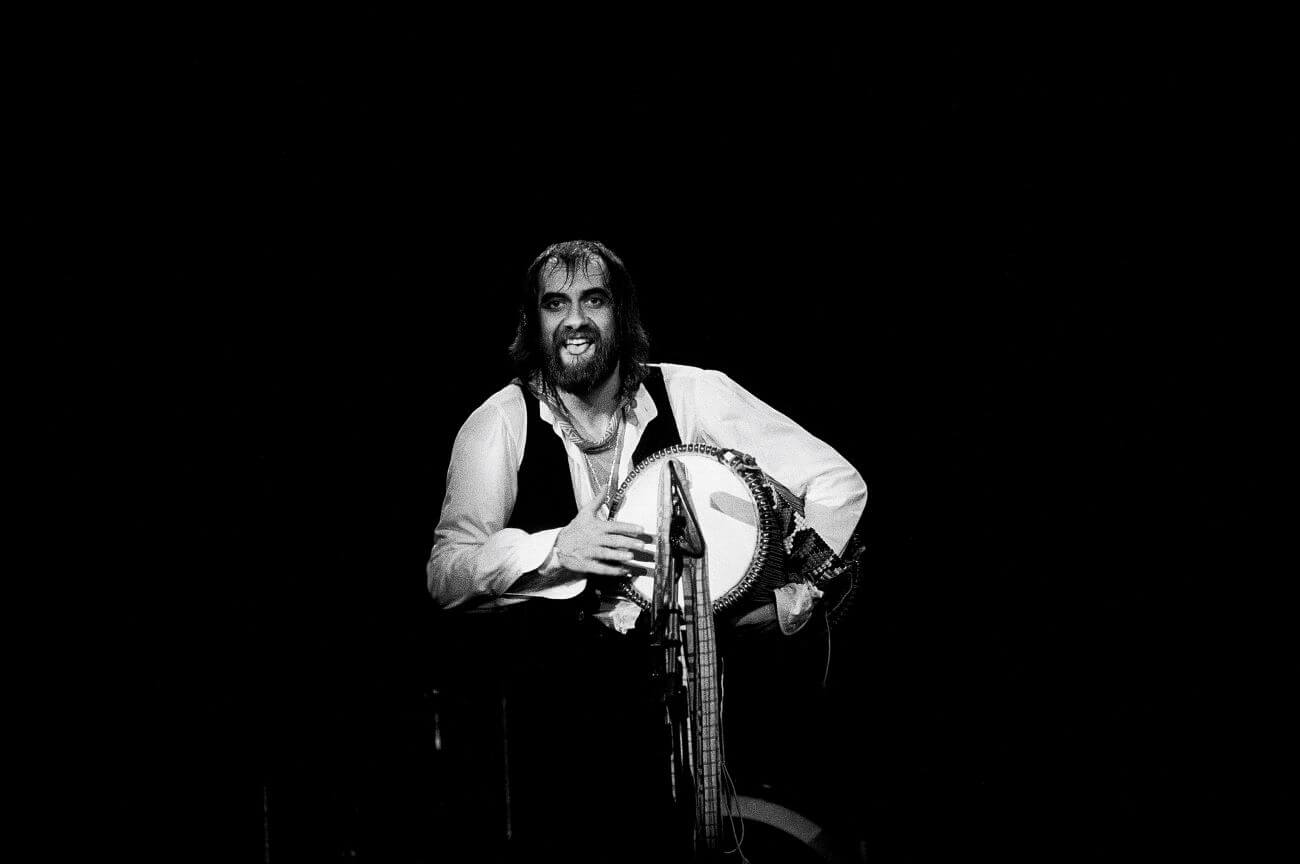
[692, 379]
[508, 400]
[504, 411]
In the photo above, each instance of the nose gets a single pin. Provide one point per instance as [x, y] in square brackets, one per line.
[576, 316]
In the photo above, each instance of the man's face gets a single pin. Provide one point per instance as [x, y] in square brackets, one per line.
[576, 319]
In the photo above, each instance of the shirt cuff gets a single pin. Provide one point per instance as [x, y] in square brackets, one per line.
[538, 553]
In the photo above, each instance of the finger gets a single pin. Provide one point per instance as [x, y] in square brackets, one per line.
[612, 556]
[623, 528]
[637, 556]
[597, 568]
[620, 541]
[640, 557]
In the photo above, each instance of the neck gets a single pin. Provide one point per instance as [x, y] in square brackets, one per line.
[596, 407]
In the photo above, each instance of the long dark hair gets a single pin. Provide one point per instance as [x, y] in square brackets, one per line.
[527, 353]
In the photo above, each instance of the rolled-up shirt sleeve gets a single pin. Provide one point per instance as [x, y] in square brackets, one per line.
[727, 415]
[475, 558]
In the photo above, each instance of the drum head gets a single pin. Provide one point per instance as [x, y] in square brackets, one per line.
[728, 518]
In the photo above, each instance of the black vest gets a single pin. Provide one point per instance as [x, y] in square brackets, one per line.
[545, 498]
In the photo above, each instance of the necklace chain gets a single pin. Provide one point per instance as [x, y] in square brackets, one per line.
[616, 457]
[612, 437]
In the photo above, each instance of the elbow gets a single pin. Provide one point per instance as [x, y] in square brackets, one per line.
[851, 489]
[442, 586]
[857, 501]
[435, 582]
[452, 581]
[860, 491]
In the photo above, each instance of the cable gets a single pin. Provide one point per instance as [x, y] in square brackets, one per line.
[826, 676]
[733, 806]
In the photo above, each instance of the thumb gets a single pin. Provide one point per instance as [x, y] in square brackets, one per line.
[590, 508]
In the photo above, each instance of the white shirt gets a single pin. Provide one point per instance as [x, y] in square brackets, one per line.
[476, 559]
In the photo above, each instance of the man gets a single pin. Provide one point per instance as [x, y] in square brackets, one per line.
[524, 534]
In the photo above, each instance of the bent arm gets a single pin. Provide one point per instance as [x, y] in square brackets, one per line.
[475, 558]
[834, 493]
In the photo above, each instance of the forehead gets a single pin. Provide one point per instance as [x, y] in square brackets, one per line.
[588, 273]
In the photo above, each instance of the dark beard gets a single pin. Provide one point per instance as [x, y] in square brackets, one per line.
[580, 378]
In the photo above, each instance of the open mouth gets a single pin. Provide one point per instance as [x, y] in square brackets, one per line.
[577, 347]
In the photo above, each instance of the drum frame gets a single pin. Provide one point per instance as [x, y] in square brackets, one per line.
[769, 551]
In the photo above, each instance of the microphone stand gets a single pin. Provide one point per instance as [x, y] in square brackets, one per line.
[673, 662]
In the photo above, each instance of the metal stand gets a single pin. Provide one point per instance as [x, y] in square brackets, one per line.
[684, 654]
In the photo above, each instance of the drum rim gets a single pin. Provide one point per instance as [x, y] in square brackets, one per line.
[744, 466]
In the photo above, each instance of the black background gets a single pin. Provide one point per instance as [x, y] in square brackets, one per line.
[994, 285]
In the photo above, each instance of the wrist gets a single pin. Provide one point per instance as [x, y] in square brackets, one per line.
[551, 565]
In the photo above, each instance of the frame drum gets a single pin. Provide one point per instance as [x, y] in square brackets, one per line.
[744, 554]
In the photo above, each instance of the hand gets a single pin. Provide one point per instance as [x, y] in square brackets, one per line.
[592, 544]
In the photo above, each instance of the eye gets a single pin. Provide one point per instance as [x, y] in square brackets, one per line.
[553, 305]
[596, 301]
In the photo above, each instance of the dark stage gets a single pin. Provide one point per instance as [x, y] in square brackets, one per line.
[985, 283]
